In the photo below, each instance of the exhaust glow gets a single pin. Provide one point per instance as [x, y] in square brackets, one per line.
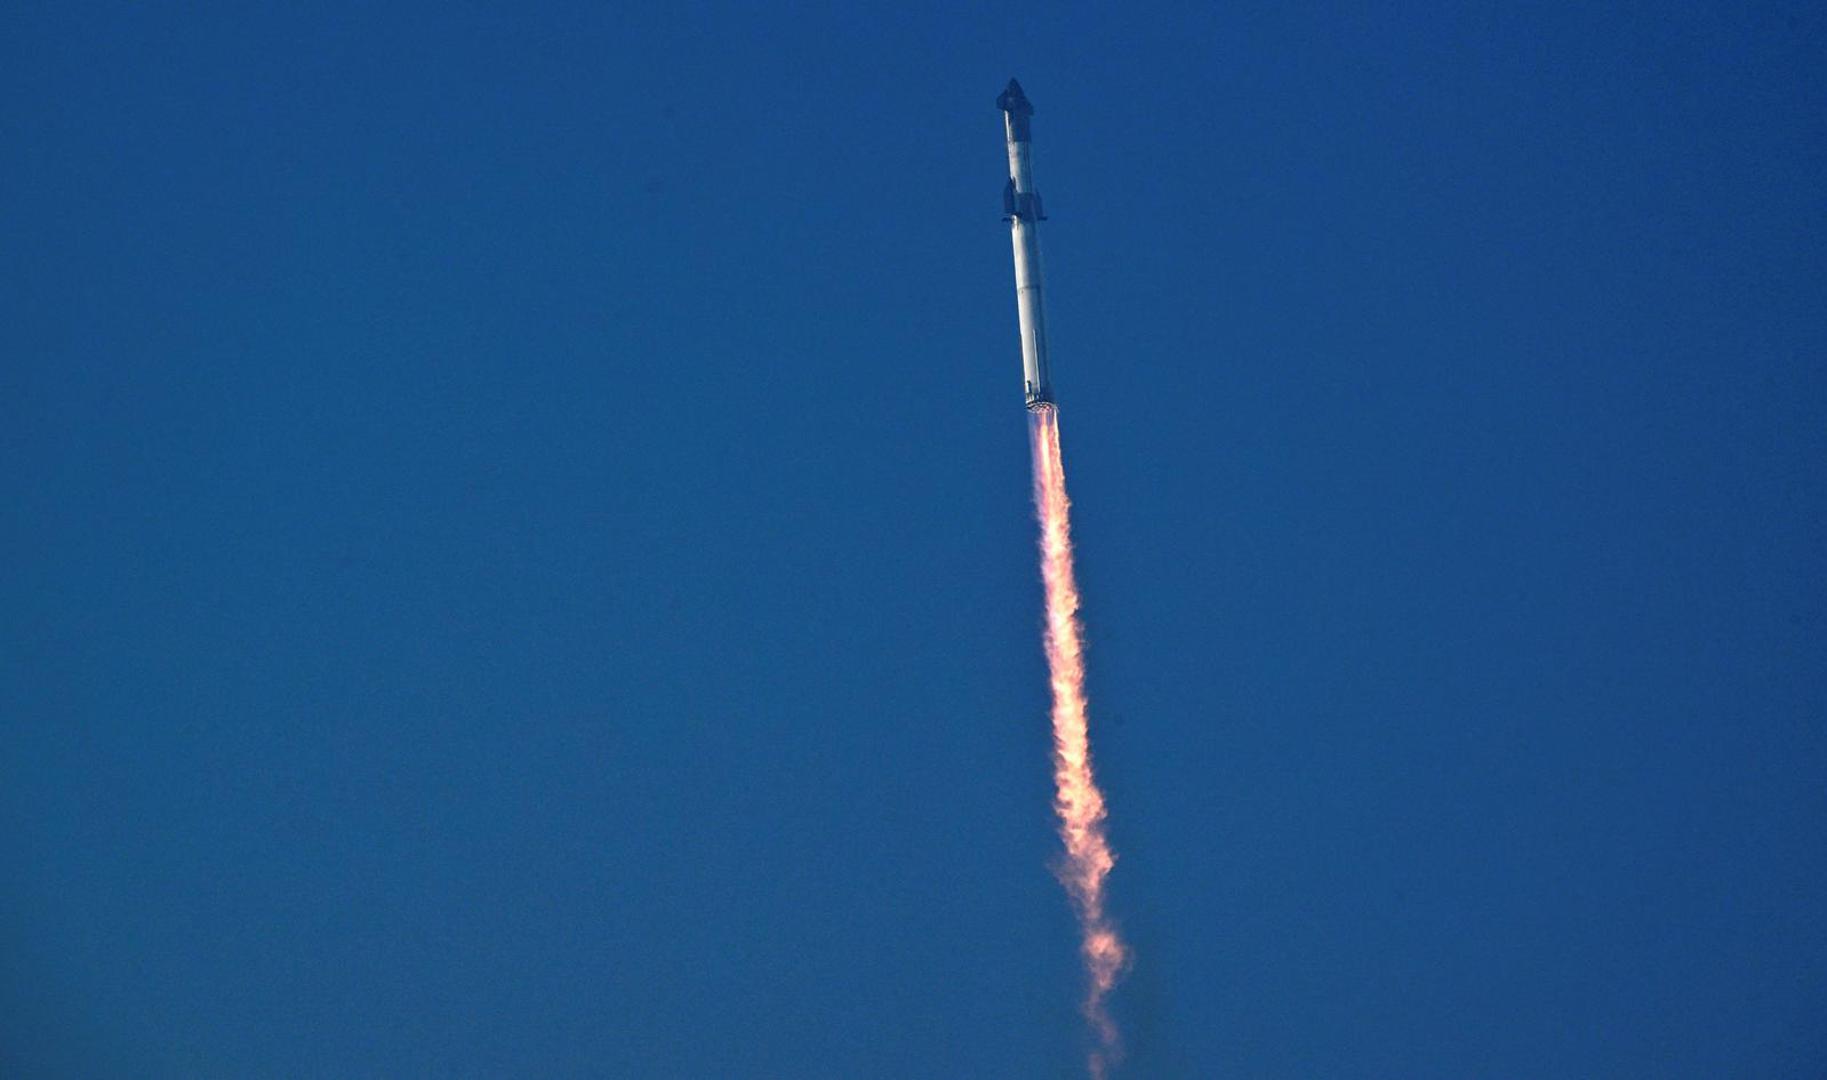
[1077, 800]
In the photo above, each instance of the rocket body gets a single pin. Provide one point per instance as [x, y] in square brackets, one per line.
[1022, 210]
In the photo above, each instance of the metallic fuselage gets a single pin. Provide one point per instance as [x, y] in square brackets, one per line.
[1022, 210]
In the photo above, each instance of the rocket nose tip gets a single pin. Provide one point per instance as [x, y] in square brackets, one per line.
[1013, 100]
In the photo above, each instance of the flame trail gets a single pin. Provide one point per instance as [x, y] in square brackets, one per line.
[1077, 800]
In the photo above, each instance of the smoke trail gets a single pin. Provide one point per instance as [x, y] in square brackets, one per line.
[1077, 800]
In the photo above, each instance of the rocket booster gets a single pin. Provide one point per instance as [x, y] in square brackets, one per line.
[1021, 209]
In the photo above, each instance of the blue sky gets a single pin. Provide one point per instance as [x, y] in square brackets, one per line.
[518, 558]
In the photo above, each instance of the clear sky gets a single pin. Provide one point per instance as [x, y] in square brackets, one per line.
[516, 555]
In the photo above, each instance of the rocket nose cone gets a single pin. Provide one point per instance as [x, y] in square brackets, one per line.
[1012, 100]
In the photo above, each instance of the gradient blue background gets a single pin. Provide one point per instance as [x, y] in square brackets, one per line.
[517, 562]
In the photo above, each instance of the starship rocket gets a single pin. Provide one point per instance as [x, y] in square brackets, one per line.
[1021, 209]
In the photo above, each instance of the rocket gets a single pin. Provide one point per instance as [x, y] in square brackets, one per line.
[1021, 209]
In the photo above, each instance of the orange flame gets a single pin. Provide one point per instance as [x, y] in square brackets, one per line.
[1077, 800]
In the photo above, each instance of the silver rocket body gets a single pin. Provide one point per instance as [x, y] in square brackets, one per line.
[1022, 210]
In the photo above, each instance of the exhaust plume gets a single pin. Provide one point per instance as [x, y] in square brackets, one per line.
[1077, 800]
